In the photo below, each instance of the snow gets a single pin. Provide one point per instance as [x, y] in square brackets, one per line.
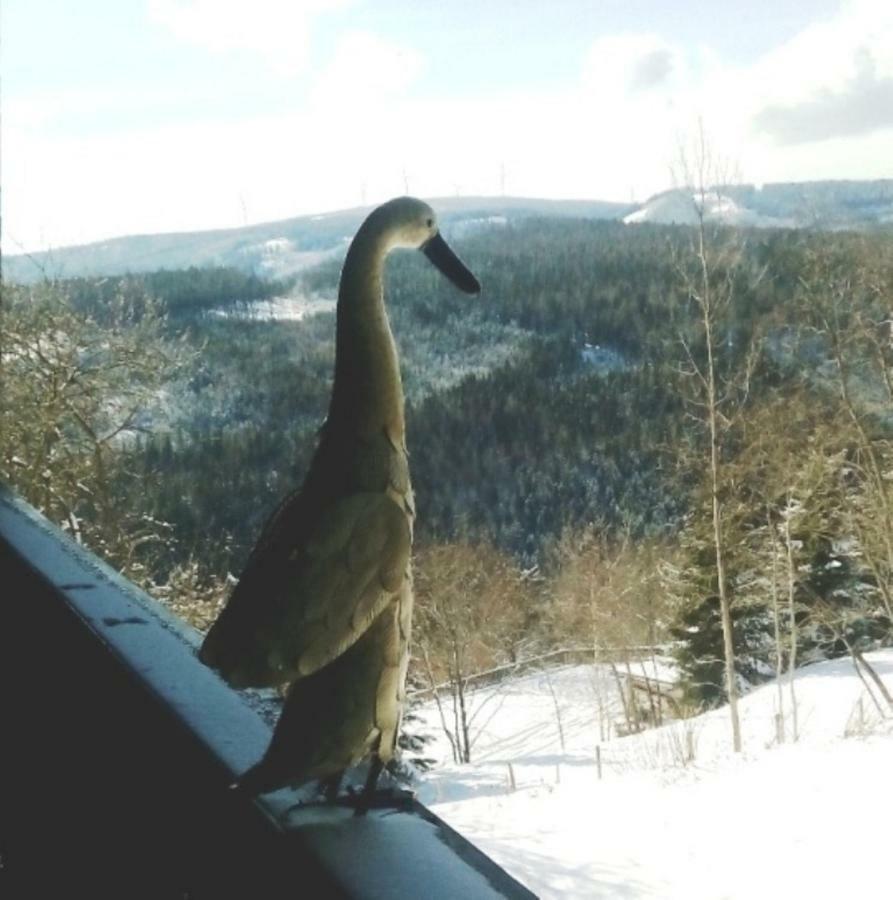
[469, 226]
[277, 245]
[278, 309]
[676, 207]
[804, 819]
[603, 359]
[280, 257]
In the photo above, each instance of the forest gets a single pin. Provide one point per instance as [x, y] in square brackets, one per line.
[662, 435]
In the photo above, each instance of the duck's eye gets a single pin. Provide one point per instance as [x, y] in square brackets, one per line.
[430, 223]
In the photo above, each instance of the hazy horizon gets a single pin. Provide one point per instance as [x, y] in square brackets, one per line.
[181, 115]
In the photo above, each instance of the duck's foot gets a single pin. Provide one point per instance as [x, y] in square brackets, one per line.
[359, 800]
[372, 798]
[328, 787]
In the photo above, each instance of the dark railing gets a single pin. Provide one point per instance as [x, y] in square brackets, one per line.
[117, 748]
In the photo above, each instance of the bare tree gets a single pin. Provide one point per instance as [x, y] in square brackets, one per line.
[837, 620]
[77, 386]
[790, 511]
[608, 588]
[471, 609]
[715, 393]
[194, 593]
[774, 591]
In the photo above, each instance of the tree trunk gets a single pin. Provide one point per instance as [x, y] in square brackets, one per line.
[626, 712]
[557, 710]
[712, 421]
[792, 622]
[633, 705]
[776, 623]
[653, 696]
[451, 737]
[463, 714]
[873, 675]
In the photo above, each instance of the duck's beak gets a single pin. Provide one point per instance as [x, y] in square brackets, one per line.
[439, 252]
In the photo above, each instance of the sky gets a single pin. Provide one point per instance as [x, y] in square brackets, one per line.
[142, 116]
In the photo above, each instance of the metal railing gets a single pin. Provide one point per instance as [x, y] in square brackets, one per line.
[117, 748]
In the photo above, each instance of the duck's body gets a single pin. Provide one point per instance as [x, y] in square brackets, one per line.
[325, 600]
[345, 712]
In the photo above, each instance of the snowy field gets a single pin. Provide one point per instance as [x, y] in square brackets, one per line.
[810, 819]
[277, 309]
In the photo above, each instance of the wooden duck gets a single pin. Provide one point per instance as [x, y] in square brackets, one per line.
[325, 600]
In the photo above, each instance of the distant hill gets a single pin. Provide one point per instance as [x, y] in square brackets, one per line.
[678, 207]
[827, 205]
[277, 249]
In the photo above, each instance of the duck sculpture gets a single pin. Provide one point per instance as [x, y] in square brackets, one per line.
[324, 603]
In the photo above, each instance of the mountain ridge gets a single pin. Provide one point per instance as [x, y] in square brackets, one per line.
[826, 205]
[279, 248]
[283, 247]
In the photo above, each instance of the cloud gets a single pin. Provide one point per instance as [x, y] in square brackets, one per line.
[834, 79]
[367, 69]
[653, 69]
[278, 29]
[364, 121]
[629, 63]
[862, 106]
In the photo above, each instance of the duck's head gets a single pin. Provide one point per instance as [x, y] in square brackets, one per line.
[411, 223]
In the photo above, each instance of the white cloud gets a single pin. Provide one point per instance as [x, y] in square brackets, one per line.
[366, 68]
[278, 29]
[825, 55]
[622, 64]
[831, 82]
[822, 60]
[612, 132]
[863, 106]
[833, 79]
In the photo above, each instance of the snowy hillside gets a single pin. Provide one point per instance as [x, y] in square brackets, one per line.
[294, 308]
[678, 208]
[282, 248]
[804, 819]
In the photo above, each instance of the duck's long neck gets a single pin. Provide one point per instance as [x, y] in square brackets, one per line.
[368, 392]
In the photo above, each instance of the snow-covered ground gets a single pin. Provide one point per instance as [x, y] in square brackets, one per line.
[808, 819]
[277, 309]
[676, 207]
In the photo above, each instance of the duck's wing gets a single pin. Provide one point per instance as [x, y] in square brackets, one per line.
[300, 604]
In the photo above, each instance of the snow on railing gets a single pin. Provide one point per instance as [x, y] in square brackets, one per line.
[118, 748]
